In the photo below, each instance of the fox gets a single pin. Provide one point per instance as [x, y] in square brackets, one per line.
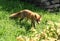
[33, 16]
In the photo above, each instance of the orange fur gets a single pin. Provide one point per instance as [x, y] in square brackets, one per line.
[27, 14]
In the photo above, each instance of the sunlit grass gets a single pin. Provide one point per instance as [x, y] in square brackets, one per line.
[10, 29]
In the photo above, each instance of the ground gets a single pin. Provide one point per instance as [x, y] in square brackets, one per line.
[10, 29]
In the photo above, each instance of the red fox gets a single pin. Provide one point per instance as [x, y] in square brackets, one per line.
[27, 14]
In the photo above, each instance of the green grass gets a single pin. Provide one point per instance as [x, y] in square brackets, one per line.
[10, 29]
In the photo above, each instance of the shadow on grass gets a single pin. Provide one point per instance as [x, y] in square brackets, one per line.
[24, 24]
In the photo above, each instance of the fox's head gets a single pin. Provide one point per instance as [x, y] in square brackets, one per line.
[38, 18]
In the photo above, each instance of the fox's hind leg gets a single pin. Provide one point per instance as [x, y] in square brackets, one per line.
[21, 19]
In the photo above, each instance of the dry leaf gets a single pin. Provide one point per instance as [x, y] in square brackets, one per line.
[20, 38]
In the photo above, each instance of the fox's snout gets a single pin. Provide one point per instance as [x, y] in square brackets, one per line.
[38, 20]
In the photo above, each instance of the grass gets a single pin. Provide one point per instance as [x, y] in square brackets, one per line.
[10, 29]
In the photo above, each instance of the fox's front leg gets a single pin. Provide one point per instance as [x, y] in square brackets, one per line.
[33, 23]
